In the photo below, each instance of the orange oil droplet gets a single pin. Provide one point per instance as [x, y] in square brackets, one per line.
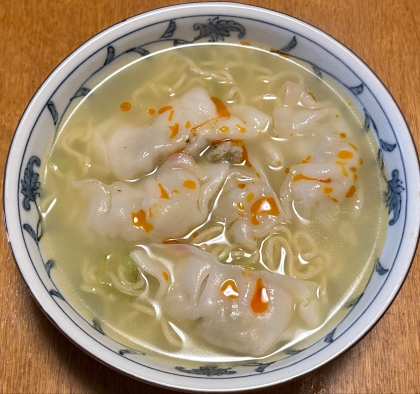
[241, 185]
[246, 43]
[125, 106]
[163, 192]
[345, 154]
[332, 198]
[195, 233]
[165, 275]
[171, 114]
[150, 212]
[328, 190]
[187, 124]
[240, 206]
[259, 302]
[249, 197]
[343, 135]
[189, 184]
[240, 128]
[354, 177]
[337, 115]
[222, 111]
[343, 168]
[151, 111]
[266, 205]
[360, 161]
[287, 170]
[351, 191]
[224, 129]
[139, 220]
[175, 191]
[353, 169]
[300, 177]
[174, 130]
[229, 289]
[171, 241]
[353, 146]
[164, 109]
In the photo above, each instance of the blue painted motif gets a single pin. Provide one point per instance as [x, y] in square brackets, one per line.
[56, 293]
[123, 352]
[330, 337]
[289, 46]
[170, 30]
[379, 269]
[109, 55]
[394, 197]
[260, 366]
[292, 352]
[208, 371]
[30, 183]
[357, 89]
[217, 29]
[353, 302]
[81, 93]
[97, 326]
[48, 265]
[53, 111]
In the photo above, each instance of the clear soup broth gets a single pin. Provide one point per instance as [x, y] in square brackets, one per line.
[213, 202]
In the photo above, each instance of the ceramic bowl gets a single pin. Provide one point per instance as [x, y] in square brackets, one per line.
[185, 24]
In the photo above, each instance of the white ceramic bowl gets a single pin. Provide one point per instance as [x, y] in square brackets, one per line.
[213, 21]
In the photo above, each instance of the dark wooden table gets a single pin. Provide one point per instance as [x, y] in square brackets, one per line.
[37, 34]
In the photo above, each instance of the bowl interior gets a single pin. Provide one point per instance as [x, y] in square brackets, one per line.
[183, 25]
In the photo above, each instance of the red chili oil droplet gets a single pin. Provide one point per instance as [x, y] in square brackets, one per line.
[266, 205]
[222, 111]
[189, 184]
[259, 302]
[164, 109]
[163, 192]
[229, 289]
[125, 106]
[300, 177]
[174, 130]
[139, 220]
[345, 154]
[351, 192]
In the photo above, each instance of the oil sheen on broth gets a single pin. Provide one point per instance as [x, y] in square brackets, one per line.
[213, 202]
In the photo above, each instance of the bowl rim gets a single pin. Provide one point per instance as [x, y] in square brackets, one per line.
[161, 11]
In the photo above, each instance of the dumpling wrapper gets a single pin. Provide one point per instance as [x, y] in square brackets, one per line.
[166, 204]
[228, 318]
[191, 122]
[326, 178]
[249, 206]
[300, 114]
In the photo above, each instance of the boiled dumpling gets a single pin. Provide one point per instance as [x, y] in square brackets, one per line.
[249, 206]
[240, 122]
[135, 151]
[165, 204]
[322, 179]
[191, 122]
[236, 309]
[300, 114]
